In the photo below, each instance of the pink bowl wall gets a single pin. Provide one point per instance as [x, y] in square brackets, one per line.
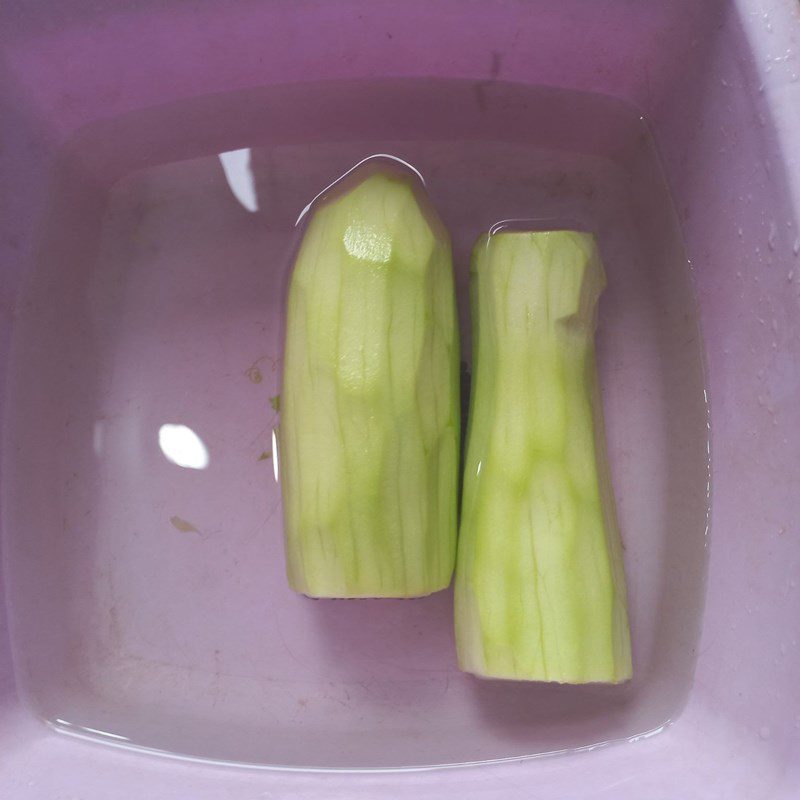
[718, 81]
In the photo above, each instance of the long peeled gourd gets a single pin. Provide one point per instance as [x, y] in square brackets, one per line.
[369, 433]
[540, 588]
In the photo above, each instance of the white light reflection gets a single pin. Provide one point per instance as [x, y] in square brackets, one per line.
[275, 455]
[536, 225]
[94, 731]
[239, 174]
[654, 732]
[182, 446]
[103, 733]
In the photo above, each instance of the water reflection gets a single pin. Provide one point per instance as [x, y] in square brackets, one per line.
[239, 174]
[375, 157]
[78, 729]
[182, 446]
[275, 469]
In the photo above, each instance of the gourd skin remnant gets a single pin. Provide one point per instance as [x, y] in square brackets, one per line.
[370, 419]
[540, 586]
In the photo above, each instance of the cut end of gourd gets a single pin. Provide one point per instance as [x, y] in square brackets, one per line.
[560, 270]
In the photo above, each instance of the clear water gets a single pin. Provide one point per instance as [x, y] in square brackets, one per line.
[142, 515]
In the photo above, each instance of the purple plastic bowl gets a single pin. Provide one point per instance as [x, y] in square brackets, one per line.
[198, 647]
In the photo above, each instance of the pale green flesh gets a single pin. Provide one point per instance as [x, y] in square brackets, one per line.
[369, 434]
[540, 587]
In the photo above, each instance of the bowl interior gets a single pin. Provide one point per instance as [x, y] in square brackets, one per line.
[142, 514]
